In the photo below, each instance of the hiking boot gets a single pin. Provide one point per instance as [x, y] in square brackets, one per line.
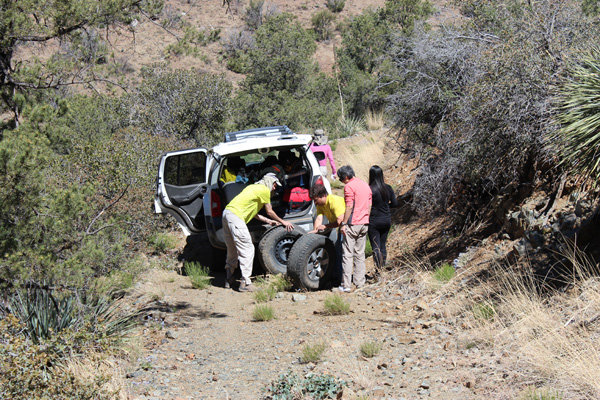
[341, 289]
[247, 288]
[229, 282]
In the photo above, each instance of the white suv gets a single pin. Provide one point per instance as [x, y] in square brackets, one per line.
[192, 186]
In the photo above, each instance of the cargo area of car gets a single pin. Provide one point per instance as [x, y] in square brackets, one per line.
[288, 164]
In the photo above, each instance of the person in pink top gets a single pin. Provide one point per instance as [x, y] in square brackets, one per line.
[323, 152]
[354, 227]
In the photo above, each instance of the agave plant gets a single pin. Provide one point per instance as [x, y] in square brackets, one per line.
[348, 126]
[42, 313]
[577, 141]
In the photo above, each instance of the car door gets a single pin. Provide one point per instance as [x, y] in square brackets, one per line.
[180, 187]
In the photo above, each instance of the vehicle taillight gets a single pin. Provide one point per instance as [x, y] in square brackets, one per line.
[215, 205]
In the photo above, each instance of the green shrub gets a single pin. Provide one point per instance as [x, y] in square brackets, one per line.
[181, 103]
[279, 282]
[198, 274]
[270, 287]
[290, 386]
[264, 295]
[33, 369]
[256, 14]
[336, 305]
[321, 22]
[263, 312]
[336, 6]
[162, 242]
[484, 311]
[370, 349]
[312, 353]
[444, 273]
[533, 393]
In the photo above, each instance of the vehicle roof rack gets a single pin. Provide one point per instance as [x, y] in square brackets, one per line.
[258, 132]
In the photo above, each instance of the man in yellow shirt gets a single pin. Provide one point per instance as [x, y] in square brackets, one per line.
[236, 216]
[333, 208]
[329, 205]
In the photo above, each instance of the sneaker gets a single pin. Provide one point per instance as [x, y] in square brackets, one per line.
[341, 289]
[247, 288]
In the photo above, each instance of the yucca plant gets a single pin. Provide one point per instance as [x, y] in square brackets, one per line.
[42, 313]
[577, 141]
[348, 126]
[45, 314]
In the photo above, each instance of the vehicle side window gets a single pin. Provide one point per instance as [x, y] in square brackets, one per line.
[185, 169]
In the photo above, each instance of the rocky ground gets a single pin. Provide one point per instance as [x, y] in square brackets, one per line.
[204, 344]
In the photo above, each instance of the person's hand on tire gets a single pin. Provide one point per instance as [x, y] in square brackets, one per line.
[288, 226]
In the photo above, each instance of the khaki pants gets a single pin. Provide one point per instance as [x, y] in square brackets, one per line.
[353, 259]
[239, 246]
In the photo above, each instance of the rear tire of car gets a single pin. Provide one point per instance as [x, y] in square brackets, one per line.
[274, 247]
[312, 262]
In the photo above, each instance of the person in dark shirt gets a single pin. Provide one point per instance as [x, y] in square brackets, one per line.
[380, 220]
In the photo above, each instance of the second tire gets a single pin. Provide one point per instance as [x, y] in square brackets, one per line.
[311, 262]
[274, 248]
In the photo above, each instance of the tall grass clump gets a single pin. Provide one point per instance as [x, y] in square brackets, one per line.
[444, 273]
[270, 287]
[162, 242]
[263, 312]
[264, 295]
[374, 119]
[533, 393]
[336, 305]
[312, 353]
[370, 349]
[552, 331]
[198, 275]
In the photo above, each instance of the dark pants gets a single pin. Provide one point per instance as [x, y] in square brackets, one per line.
[378, 233]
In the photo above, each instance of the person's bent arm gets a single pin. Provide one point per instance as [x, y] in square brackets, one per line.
[265, 220]
[318, 224]
[269, 210]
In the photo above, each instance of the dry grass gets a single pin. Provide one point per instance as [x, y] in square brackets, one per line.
[375, 120]
[554, 334]
[552, 337]
[86, 370]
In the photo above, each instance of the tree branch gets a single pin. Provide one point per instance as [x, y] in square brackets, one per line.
[88, 230]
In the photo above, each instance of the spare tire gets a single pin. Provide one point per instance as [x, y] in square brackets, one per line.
[312, 261]
[274, 247]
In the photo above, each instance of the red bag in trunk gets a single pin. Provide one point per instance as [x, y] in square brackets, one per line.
[296, 197]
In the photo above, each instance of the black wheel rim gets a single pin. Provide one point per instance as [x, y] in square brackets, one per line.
[282, 250]
[317, 264]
